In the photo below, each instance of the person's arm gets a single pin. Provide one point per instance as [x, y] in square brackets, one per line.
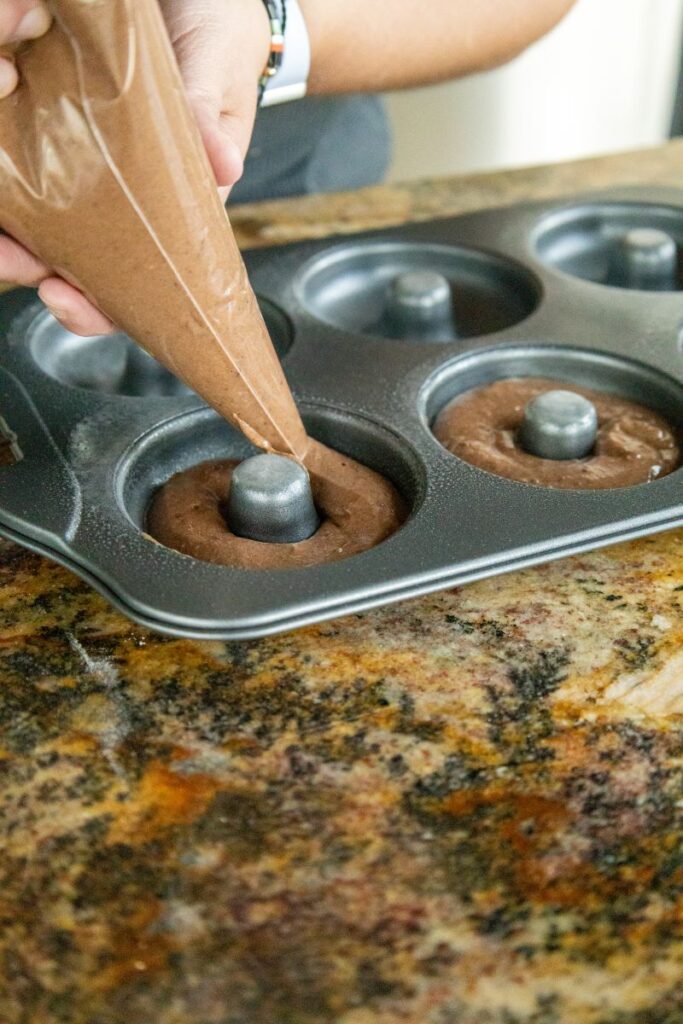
[356, 45]
[379, 45]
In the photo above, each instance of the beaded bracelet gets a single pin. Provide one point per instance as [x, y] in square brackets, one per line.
[278, 23]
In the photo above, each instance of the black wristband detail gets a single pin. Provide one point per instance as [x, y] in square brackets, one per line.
[277, 17]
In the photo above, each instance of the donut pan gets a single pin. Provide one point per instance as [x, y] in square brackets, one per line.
[100, 426]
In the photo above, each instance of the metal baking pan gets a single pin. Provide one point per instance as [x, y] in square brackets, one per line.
[100, 426]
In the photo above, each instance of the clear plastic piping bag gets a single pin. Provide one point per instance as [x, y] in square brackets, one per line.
[104, 176]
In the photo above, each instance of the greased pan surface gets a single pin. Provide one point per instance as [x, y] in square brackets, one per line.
[101, 426]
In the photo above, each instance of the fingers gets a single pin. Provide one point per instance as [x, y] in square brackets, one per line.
[72, 309]
[22, 19]
[223, 149]
[18, 265]
[8, 77]
[226, 134]
[221, 48]
[19, 20]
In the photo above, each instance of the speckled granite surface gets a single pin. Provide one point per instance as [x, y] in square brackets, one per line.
[467, 809]
[318, 216]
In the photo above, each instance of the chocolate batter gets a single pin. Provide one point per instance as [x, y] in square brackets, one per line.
[104, 176]
[634, 446]
[187, 514]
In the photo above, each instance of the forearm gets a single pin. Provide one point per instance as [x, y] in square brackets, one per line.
[375, 45]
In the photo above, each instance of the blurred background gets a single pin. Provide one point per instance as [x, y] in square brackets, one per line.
[606, 79]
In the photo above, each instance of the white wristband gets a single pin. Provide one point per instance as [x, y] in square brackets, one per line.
[291, 80]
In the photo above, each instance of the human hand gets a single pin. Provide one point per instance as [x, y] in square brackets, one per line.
[222, 47]
[19, 20]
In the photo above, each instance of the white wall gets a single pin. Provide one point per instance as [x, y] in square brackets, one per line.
[603, 80]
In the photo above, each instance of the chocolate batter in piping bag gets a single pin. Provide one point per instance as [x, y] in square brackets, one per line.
[103, 175]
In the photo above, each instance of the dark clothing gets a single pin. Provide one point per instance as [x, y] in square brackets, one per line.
[316, 145]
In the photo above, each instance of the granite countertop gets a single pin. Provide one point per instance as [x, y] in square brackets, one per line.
[466, 809]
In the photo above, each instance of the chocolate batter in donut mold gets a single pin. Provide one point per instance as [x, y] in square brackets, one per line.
[378, 333]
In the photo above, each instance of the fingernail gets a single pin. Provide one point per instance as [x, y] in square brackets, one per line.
[8, 78]
[35, 23]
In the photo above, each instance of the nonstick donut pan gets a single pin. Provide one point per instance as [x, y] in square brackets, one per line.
[542, 290]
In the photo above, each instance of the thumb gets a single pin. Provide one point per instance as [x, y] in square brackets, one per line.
[221, 49]
[225, 134]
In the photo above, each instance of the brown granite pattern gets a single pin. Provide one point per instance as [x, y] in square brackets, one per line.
[467, 809]
[464, 809]
[275, 223]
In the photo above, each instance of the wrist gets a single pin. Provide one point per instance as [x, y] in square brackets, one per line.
[259, 37]
[315, 15]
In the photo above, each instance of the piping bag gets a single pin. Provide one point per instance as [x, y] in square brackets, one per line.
[103, 175]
